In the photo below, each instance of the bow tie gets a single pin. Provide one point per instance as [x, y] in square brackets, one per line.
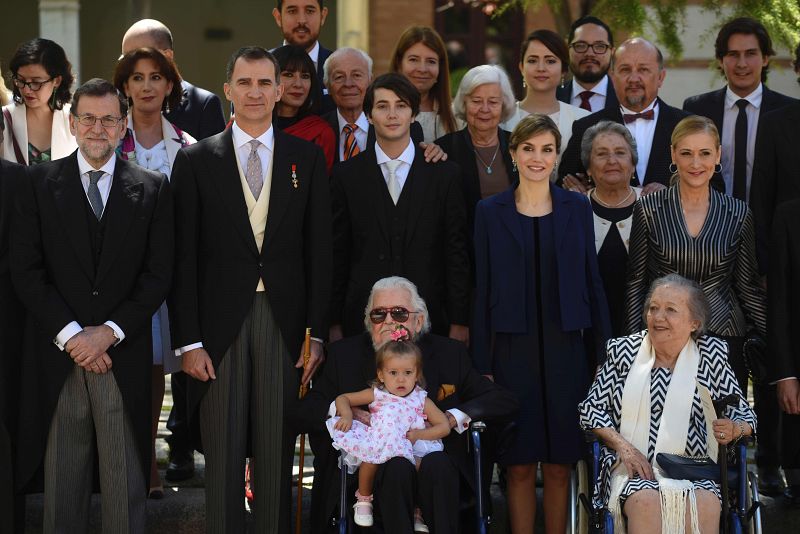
[646, 115]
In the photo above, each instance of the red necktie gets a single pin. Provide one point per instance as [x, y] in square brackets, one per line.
[350, 145]
[646, 115]
[585, 96]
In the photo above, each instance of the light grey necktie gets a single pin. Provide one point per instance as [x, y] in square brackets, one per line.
[95, 199]
[254, 174]
[393, 183]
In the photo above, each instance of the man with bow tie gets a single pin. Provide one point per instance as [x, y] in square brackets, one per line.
[637, 73]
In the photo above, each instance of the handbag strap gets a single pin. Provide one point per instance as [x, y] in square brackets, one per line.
[17, 151]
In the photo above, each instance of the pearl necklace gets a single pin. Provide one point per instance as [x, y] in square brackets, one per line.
[593, 193]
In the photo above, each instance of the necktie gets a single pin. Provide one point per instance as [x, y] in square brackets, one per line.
[350, 145]
[646, 115]
[585, 96]
[254, 174]
[393, 183]
[95, 199]
[740, 152]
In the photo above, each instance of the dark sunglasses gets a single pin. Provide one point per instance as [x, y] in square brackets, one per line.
[398, 313]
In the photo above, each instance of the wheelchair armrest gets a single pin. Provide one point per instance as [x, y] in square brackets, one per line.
[480, 426]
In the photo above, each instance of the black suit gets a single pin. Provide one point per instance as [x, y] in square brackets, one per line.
[712, 105]
[422, 238]
[11, 327]
[350, 367]
[199, 113]
[564, 94]
[326, 102]
[333, 120]
[59, 280]
[784, 286]
[660, 158]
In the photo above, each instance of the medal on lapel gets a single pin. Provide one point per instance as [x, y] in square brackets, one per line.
[294, 176]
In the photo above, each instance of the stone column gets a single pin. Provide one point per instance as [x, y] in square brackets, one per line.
[59, 21]
[352, 24]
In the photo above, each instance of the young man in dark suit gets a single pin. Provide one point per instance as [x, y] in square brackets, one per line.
[253, 264]
[590, 47]
[453, 384]
[91, 259]
[395, 214]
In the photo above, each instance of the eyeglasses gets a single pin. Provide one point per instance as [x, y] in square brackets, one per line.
[398, 313]
[582, 46]
[33, 86]
[106, 122]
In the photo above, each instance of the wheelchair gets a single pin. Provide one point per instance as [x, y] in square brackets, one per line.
[744, 510]
[482, 519]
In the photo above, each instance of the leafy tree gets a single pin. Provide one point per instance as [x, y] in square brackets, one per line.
[781, 17]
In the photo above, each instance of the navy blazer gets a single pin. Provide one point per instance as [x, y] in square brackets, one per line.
[500, 271]
[199, 113]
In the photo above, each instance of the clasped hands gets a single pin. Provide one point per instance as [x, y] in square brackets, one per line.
[88, 348]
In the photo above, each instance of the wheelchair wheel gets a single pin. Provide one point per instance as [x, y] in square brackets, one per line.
[579, 485]
[754, 526]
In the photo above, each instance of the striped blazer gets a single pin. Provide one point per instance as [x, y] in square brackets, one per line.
[721, 259]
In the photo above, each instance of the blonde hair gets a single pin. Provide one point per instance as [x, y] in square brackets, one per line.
[691, 125]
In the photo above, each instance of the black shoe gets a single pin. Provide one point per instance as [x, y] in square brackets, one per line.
[181, 467]
[792, 495]
[770, 481]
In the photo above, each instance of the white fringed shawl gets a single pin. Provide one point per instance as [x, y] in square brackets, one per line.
[672, 433]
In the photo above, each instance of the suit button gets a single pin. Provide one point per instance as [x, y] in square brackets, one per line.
[95, 293]
[261, 264]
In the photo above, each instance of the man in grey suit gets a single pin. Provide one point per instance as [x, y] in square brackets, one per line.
[91, 259]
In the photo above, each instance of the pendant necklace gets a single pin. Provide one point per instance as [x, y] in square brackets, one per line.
[489, 166]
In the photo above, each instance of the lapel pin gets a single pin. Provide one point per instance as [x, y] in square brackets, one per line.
[294, 176]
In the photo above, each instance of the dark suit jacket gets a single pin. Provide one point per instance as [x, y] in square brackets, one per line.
[712, 105]
[564, 94]
[660, 158]
[784, 286]
[500, 271]
[433, 252]
[199, 114]
[333, 120]
[776, 171]
[351, 366]
[54, 275]
[218, 264]
[326, 104]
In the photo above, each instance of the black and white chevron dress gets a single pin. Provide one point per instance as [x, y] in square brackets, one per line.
[602, 408]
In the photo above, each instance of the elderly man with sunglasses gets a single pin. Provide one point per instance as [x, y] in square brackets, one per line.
[452, 383]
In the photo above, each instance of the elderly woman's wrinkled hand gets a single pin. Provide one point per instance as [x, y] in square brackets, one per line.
[725, 431]
[636, 463]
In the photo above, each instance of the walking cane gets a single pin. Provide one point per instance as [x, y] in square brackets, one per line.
[722, 461]
[298, 518]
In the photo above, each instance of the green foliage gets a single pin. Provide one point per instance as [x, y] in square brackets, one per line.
[667, 19]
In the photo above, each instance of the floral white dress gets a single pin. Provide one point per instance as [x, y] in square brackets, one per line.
[385, 438]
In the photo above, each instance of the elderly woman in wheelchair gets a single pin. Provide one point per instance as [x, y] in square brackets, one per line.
[652, 407]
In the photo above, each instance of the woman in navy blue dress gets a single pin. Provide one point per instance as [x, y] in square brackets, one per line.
[539, 304]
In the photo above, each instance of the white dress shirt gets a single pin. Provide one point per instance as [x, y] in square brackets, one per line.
[362, 127]
[406, 159]
[643, 131]
[104, 185]
[597, 100]
[728, 133]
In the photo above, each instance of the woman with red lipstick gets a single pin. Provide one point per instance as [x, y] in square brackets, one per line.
[543, 64]
[701, 234]
[296, 112]
[152, 84]
[37, 122]
[421, 57]
[538, 293]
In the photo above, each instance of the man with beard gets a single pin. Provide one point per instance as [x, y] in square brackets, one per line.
[590, 46]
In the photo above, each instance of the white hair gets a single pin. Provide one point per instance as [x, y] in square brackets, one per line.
[339, 52]
[481, 75]
[398, 282]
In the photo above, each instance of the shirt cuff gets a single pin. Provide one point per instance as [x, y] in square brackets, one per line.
[117, 330]
[782, 379]
[66, 334]
[332, 409]
[181, 351]
[462, 419]
[318, 340]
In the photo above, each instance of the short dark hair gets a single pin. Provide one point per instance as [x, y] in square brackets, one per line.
[53, 59]
[280, 4]
[552, 41]
[796, 62]
[99, 87]
[399, 85]
[294, 58]
[252, 53]
[746, 26]
[589, 20]
[126, 65]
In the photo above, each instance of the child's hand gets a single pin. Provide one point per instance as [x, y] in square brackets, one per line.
[343, 424]
[411, 435]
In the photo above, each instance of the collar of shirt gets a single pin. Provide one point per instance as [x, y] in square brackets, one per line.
[361, 121]
[600, 89]
[653, 106]
[241, 138]
[753, 98]
[313, 53]
[407, 156]
[84, 166]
